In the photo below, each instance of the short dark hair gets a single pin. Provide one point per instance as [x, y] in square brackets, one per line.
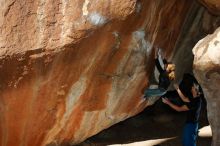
[187, 83]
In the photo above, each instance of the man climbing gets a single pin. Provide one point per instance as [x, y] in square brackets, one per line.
[192, 104]
[167, 74]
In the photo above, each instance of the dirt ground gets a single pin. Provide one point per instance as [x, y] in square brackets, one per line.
[155, 122]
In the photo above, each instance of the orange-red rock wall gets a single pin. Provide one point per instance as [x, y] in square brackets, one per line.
[69, 69]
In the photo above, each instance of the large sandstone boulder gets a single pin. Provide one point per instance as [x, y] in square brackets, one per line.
[69, 69]
[207, 71]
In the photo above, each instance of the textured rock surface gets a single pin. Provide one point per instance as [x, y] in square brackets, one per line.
[212, 5]
[69, 69]
[207, 70]
[72, 68]
[199, 23]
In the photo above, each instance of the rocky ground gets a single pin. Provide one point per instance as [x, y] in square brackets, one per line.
[155, 122]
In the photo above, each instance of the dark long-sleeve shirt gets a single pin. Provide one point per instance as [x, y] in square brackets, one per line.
[194, 109]
[164, 80]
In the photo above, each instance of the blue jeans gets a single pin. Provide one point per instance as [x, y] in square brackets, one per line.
[190, 133]
[158, 92]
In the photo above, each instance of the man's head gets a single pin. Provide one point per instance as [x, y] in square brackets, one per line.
[190, 86]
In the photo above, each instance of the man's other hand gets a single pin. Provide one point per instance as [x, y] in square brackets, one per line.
[165, 100]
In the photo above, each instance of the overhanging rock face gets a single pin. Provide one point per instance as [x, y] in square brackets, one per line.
[69, 69]
[207, 71]
[212, 5]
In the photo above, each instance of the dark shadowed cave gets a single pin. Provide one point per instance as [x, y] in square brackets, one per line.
[155, 122]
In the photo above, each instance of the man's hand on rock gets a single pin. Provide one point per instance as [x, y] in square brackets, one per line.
[176, 86]
[165, 100]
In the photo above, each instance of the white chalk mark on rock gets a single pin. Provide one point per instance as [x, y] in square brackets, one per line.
[41, 21]
[139, 37]
[138, 7]
[97, 19]
[85, 8]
